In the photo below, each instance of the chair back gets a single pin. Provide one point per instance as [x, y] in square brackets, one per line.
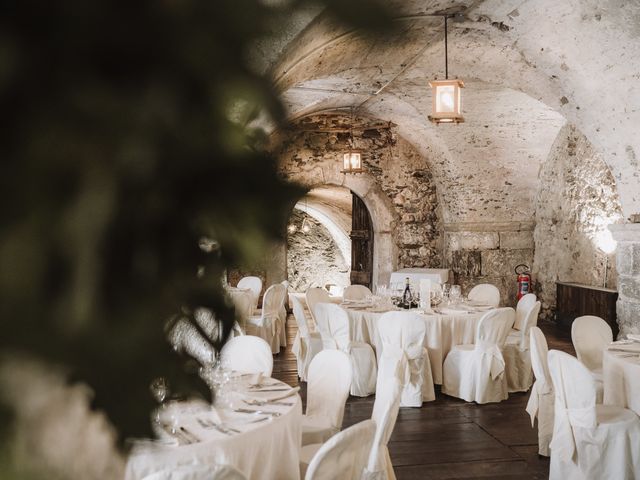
[314, 296]
[356, 292]
[328, 384]
[300, 317]
[197, 472]
[539, 351]
[254, 284]
[248, 354]
[525, 304]
[344, 456]
[485, 293]
[272, 301]
[404, 330]
[574, 388]
[531, 320]
[495, 325]
[590, 336]
[333, 324]
[385, 414]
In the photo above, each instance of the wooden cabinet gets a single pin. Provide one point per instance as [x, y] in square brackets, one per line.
[574, 300]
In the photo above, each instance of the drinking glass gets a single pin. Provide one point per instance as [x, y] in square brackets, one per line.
[455, 294]
[160, 391]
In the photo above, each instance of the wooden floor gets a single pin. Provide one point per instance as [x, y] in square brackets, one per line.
[450, 438]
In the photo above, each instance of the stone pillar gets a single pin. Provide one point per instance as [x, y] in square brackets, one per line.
[628, 265]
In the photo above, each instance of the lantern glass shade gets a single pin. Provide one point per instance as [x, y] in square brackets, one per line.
[352, 162]
[447, 101]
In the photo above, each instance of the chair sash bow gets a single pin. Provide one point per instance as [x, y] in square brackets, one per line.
[563, 443]
[493, 351]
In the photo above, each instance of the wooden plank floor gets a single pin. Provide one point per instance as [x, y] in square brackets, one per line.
[450, 438]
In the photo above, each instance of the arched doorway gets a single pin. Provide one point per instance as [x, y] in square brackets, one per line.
[330, 240]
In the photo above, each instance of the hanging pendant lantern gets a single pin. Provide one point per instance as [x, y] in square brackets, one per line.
[447, 97]
[352, 159]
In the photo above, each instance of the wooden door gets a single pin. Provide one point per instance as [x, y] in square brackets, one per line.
[361, 243]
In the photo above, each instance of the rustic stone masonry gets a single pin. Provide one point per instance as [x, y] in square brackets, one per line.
[314, 259]
[577, 199]
[317, 143]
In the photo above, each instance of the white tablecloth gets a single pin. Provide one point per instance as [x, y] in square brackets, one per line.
[621, 375]
[437, 275]
[263, 450]
[443, 332]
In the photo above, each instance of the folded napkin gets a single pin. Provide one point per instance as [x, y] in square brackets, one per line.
[633, 336]
[454, 310]
[270, 396]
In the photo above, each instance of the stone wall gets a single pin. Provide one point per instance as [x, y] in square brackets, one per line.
[488, 253]
[317, 142]
[576, 201]
[314, 259]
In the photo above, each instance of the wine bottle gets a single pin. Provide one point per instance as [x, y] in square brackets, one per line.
[406, 296]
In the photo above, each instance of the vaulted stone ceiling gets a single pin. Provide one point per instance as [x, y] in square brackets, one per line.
[529, 67]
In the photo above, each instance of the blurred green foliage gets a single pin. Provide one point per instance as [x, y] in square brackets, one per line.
[118, 153]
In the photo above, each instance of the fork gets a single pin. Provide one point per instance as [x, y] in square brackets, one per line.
[261, 403]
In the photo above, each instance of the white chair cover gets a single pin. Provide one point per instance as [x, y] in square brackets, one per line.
[267, 324]
[475, 373]
[328, 387]
[485, 293]
[314, 296]
[333, 323]
[344, 456]
[525, 304]
[517, 356]
[248, 354]
[541, 401]
[589, 440]
[356, 292]
[385, 413]
[306, 344]
[255, 285]
[197, 472]
[590, 336]
[402, 341]
[283, 313]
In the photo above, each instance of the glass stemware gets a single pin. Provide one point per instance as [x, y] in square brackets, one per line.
[160, 391]
[455, 294]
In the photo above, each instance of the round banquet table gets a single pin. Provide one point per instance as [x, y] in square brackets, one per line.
[442, 333]
[261, 446]
[621, 376]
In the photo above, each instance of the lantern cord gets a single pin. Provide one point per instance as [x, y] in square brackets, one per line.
[446, 55]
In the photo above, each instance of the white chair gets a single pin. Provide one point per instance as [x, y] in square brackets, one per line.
[356, 292]
[283, 314]
[402, 342]
[248, 354]
[485, 293]
[197, 472]
[385, 414]
[525, 304]
[267, 324]
[314, 296]
[590, 335]
[255, 285]
[517, 355]
[328, 385]
[541, 401]
[306, 344]
[475, 373]
[590, 441]
[333, 323]
[343, 457]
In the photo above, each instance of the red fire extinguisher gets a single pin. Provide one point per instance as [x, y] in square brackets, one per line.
[524, 280]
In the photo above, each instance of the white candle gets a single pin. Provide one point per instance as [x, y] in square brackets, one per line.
[425, 293]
